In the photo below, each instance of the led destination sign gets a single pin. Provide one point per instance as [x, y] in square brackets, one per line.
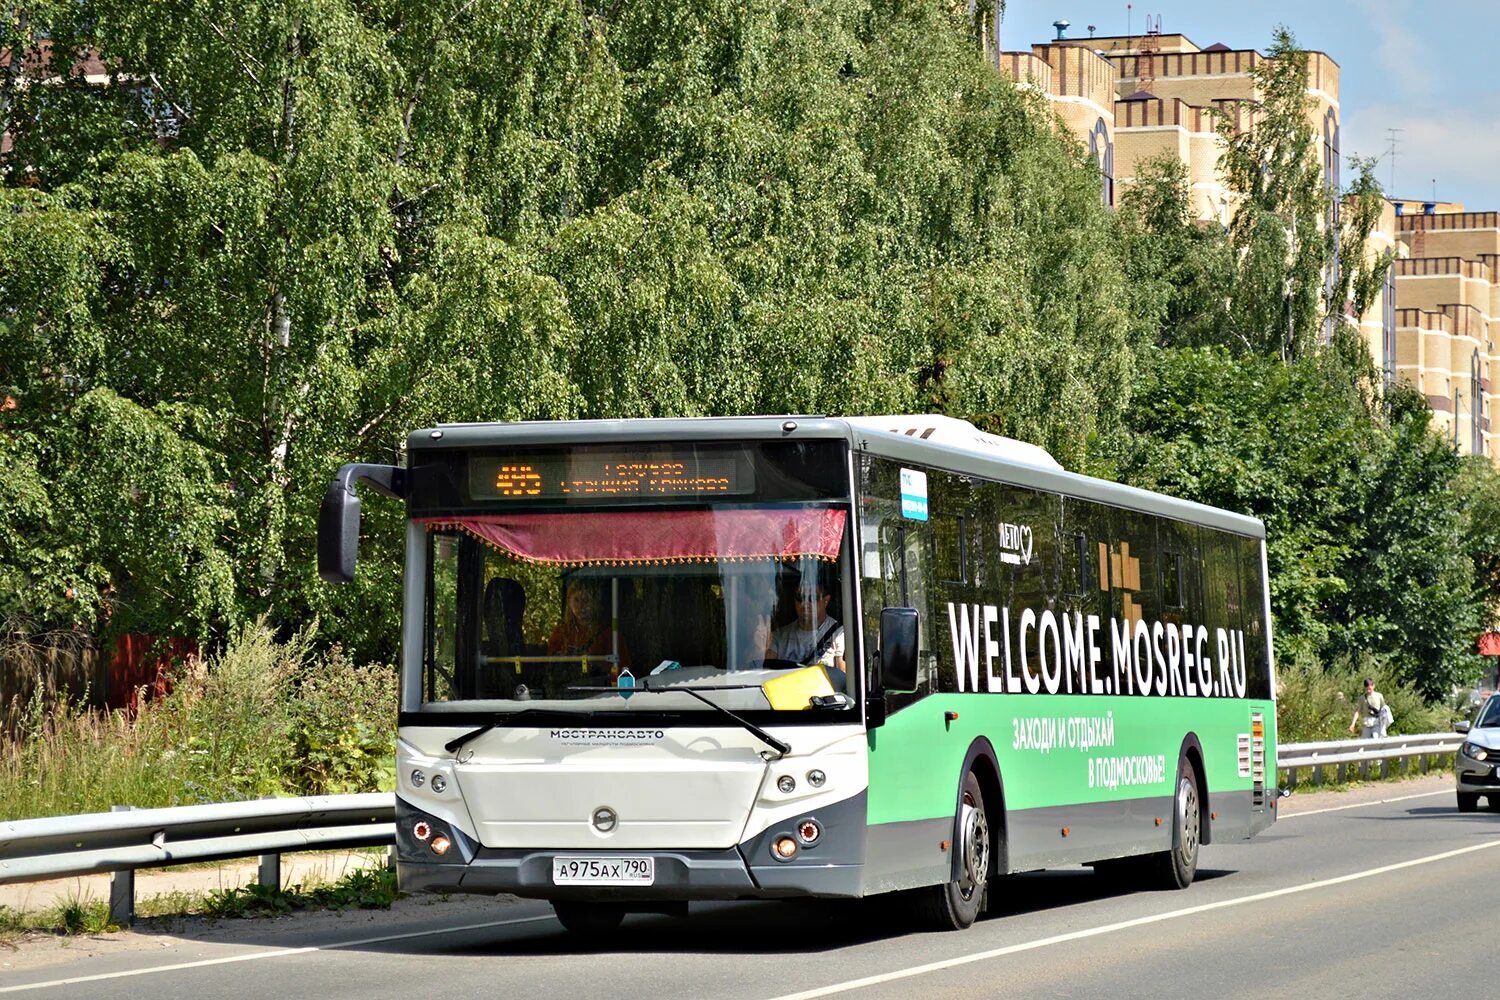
[609, 475]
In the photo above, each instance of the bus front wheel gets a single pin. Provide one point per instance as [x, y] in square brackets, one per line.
[588, 918]
[957, 904]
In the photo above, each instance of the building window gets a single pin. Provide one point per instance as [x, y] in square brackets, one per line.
[1102, 149]
[1476, 405]
[1331, 185]
[1388, 325]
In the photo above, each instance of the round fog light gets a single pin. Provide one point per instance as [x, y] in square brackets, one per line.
[421, 829]
[440, 844]
[784, 848]
[816, 778]
[808, 832]
[439, 783]
[786, 783]
[418, 779]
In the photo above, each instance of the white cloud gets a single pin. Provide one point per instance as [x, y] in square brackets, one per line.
[1456, 144]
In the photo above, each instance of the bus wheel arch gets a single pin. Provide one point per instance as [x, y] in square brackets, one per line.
[976, 846]
[982, 762]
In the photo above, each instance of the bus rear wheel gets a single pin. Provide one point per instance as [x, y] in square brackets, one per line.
[957, 904]
[1175, 868]
[588, 919]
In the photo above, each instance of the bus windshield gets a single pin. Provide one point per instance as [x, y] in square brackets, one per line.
[612, 610]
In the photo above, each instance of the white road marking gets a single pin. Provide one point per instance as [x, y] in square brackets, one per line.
[918, 970]
[1357, 805]
[277, 953]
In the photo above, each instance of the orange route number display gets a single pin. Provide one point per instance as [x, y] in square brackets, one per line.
[613, 475]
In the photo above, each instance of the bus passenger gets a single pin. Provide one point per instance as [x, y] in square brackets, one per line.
[584, 631]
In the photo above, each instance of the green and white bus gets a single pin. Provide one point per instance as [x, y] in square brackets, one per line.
[651, 661]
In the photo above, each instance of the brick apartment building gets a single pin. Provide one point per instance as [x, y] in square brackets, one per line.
[1448, 304]
[1134, 98]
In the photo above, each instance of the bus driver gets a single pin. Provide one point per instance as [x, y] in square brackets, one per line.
[813, 637]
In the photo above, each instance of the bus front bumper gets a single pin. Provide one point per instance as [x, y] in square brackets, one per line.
[830, 868]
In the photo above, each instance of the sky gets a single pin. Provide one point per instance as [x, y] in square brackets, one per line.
[1426, 67]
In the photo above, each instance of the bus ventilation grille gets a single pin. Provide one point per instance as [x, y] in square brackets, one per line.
[1257, 759]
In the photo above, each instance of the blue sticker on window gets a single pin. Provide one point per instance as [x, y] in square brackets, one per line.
[914, 494]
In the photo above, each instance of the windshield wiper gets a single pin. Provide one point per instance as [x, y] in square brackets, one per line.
[781, 748]
[459, 742]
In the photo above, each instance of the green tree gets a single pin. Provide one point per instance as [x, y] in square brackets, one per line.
[1280, 243]
[1364, 541]
[288, 231]
[1183, 270]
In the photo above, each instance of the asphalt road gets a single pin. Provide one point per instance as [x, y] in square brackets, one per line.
[1389, 897]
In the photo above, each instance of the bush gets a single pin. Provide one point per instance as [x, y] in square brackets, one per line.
[1315, 702]
[261, 718]
[343, 725]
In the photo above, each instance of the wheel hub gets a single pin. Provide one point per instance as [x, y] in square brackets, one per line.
[1188, 821]
[976, 848]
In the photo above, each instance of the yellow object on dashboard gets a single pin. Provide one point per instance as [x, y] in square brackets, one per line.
[796, 688]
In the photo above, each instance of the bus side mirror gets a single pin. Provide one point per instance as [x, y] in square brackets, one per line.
[898, 650]
[338, 533]
[338, 518]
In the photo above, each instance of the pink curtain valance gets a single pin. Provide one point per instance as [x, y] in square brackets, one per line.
[629, 538]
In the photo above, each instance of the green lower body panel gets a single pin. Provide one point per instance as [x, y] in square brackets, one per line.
[1084, 778]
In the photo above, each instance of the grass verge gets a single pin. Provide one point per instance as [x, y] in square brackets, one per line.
[260, 718]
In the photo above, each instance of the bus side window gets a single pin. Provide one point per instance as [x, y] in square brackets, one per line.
[1171, 595]
[440, 644]
[905, 561]
[916, 581]
[1253, 614]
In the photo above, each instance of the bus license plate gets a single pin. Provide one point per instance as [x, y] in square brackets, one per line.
[603, 871]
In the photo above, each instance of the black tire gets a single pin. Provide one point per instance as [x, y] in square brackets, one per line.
[1468, 801]
[1176, 868]
[954, 906]
[588, 919]
[1493, 801]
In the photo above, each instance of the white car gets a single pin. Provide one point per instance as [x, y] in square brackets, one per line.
[1478, 761]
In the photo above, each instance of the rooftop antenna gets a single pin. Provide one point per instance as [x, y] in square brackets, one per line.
[1392, 140]
[1062, 28]
[1092, 28]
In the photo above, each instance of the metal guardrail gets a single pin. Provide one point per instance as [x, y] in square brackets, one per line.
[127, 839]
[1340, 754]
